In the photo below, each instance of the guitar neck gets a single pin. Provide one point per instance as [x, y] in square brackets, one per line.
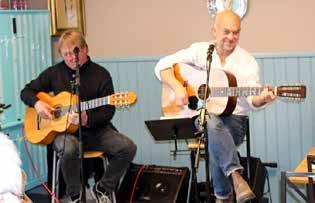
[92, 104]
[235, 91]
[117, 99]
[86, 105]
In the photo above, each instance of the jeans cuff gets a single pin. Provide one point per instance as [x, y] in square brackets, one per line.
[228, 196]
[240, 168]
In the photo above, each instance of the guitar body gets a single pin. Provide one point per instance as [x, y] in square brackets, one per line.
[194, 77]
[45, 130]
[223, 91]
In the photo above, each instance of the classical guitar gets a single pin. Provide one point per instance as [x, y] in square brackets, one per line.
[43, 131]
[223, 91]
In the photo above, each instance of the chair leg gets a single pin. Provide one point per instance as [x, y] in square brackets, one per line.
[283, 187]
[105, 163]
[54, 177]
[57, 177]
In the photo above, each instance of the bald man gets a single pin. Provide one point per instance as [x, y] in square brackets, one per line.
[225, 133]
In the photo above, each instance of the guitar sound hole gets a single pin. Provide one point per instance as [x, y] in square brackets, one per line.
[57, 113]
[201, 91]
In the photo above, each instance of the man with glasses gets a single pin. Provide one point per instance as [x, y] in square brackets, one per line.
[98, 133]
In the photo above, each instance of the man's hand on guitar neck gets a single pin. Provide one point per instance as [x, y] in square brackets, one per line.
[265, 97]
[44, 110]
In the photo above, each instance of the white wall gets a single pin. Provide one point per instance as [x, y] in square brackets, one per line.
[142, 27]
[154, 28]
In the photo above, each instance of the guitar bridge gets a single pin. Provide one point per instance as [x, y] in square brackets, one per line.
[38, 122]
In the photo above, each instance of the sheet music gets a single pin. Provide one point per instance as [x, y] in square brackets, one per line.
[186, 113]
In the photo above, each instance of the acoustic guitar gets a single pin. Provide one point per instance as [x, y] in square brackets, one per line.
[43, 131]
[223, 91]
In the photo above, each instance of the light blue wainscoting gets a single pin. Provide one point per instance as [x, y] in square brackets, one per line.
[282, 132]
[25, 50]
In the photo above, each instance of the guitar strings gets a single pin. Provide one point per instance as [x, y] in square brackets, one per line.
[65, 134]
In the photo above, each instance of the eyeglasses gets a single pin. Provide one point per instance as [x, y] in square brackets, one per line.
[67, 54]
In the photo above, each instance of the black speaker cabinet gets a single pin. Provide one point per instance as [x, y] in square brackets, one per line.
[258, 174]
[154, 184]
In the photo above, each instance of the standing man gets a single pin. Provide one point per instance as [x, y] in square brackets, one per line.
[224, 132]
[98, 133]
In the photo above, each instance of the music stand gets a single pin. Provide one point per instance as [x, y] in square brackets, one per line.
[172, 129]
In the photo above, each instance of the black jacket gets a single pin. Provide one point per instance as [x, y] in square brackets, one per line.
[95, 82]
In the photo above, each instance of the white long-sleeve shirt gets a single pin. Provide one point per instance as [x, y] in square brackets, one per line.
[242, 64]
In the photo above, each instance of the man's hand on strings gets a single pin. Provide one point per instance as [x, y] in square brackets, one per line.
[168, 77]
[181, 97]
[73, 118]
[44, 110]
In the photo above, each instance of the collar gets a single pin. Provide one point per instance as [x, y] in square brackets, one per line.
[82, 68]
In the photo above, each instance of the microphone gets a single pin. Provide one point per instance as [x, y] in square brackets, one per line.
[210, 51]
[76, 50]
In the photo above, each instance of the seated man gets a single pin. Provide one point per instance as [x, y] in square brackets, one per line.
[98, 133]
[224, 132]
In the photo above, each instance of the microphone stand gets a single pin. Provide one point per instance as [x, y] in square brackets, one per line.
[203, 123]
[76, 51]
[2, 108]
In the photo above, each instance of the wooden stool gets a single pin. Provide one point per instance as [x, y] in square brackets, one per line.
[24, 198]
[86, 155]
[193, 145]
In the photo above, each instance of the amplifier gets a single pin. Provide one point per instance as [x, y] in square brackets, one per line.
[155, 184]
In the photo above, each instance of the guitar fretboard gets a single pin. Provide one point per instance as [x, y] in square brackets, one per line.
[235, 91]
[92, 104]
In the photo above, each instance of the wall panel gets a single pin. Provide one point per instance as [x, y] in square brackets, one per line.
[282, 132]
[23, 55]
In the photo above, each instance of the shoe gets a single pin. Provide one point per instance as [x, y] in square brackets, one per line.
[242, 190]
[73, 199]
[223, 201]
[230, 199]
[100, 195]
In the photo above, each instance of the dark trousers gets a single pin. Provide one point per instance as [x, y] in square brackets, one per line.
[116, 145]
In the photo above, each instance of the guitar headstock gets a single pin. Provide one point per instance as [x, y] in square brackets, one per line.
[121, 99]
[292, 91]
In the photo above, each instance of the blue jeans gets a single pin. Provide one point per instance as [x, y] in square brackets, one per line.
[224, 134]
[118, 146]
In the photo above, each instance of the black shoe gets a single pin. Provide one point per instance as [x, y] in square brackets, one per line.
[72, 199]
[100, 195]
